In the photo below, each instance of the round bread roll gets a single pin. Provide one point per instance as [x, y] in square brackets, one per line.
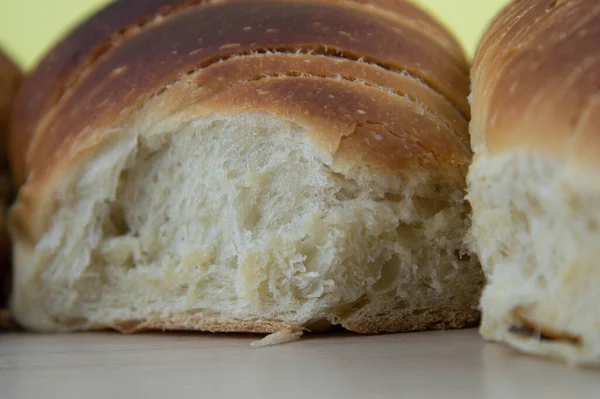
[10, 77]
[534, 183]
[257, 166]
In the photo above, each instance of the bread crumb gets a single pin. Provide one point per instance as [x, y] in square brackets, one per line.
[280, 337]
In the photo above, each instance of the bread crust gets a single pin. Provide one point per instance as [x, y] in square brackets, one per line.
[196, 323]
[120, 72]
[388, 322]
[536, 103]
[377, 92]
[536, 84]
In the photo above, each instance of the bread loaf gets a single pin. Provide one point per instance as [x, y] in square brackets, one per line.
[10, 78]
[255, 166]
[534, 184]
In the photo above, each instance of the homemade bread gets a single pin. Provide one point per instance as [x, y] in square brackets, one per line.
[534, 184]
[9, 82]
[257, 166]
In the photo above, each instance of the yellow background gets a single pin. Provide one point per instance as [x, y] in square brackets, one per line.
[29, 27]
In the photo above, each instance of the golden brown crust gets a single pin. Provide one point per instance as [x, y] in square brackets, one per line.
[145, 60]
[77, 53]
[536, 80]
[257, 66]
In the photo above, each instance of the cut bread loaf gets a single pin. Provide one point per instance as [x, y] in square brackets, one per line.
[534, 183]
[10, 77]
[256, 166]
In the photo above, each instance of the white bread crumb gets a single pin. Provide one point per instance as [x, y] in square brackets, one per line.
[280, 337]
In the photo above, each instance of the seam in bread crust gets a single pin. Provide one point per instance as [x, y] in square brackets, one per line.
[324, 50]
[164, 12]
[327, 52]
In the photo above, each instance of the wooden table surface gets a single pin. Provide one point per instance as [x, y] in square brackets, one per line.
[456, 364]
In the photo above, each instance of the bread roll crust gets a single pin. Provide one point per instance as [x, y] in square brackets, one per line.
[378, 95]
[533, 182]
[536, 81]
[123, 73]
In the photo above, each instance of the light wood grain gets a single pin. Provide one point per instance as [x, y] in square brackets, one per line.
[455, 364]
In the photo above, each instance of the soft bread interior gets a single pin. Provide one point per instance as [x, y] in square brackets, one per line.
[536, 232]
[243, 217]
